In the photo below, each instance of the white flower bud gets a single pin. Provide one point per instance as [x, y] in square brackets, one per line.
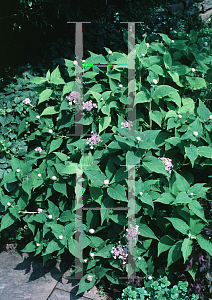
[37, 244]
[191, 194]
[147, 44]
[50, 216]
[89, 278]
[60, 237]
[18, 170]
[150, 277]
[8, 203]
[143, 54]
[138, 138]
[120, 85]
[141, 193]
[172, 41]
[38, 117]
[179, 116]
[155, 81]
[195, 133]
[139, 258]
[83, 60]
[39, 175]
[75, 62]
[85, 260]
[92, 254]
[110, 52]
[106, 181]
[92, 231]
[50, 130]
[210, 117]
[193, 69]
[54, 177]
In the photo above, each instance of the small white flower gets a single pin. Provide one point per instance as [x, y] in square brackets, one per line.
[120, 85]
[60, 237]
[193, 70]
[139, 258]
[54, 177]
[191, 194]
[172, 41]
[83, 60]
[39, 175]
[92, 254]
[195, 133]
[106, 181]
[91, 230]
[210, 117]
[50, 216]
[150, 277]
[179, 116]
[141, 193]
[50, 130]
[18, 170]
[110, 52]
[155, 81]
[147, 44]
[206, 44]
[101, 99]
[138, 138]
[8, 203]
[75, 62]
[38, 117]
[37, 244]
[143, 54]
[85, 260]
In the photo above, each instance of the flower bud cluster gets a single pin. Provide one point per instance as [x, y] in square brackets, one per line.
[167, 163]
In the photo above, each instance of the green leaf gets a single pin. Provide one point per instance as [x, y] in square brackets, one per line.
[154, 164]
[104, 123]
[181, 182]
[179, 225]
[156, 116]
[197, 209]
[196, 83]
[61, 156]
[183, 198]
[27, 185]
[194, 270]
[174, 253]
[95, 175]
[105, 252]
[142, 48]
[119, 219]
[22, 127]
[8, 178]
[162, 91]
[53, 245]
[142, 265]
[142, 96]
[38, 80]
[45, 95]
[205, 151]
[165, 243]
[53, 209]
[55, 144]
[167, 59]
[181, 69]
[60, 187]
[165, 198]
[51, 110]
[7, 221]
[203, 111]
[56, 77]
[85, 285]
[132, 158]
[30, 247]
[145, 231]
[186, 248]
[66, 216]
[204, 244]
[191, 153]
[117, 192]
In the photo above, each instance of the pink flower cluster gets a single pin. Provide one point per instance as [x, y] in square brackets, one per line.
[127, 124]
[38, 149]
[26, 101]
[167, 163]
[40, 210]
[121, 252]
[93, 140]
[75, 96]
[89, 105]
[131, 234]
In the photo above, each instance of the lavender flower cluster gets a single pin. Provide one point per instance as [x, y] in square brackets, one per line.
[93, 140]
[167, 163]
[75, 97]
[127, 124]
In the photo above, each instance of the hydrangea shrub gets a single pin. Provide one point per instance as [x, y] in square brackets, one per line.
[171, 152]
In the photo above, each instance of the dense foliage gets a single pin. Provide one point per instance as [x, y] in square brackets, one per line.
[173, 121]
